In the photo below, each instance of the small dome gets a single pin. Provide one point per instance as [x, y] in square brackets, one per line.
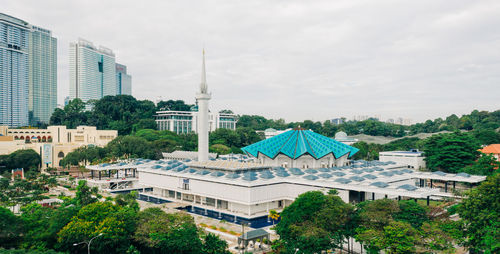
[270, 130]
[340, 135]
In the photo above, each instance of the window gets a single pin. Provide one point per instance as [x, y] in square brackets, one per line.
[100, 66]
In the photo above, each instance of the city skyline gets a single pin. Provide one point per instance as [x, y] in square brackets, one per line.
[338, 59]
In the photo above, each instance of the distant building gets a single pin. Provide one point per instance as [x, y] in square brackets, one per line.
[390, 120]
[123, 80]
[493, 149]
[43, 75]
[270, 132]
[186, 121]
[337, 121]
[14, 71]
[412, 159]
[54, 142]
[344, 139]
[92, 71]
[403, 121]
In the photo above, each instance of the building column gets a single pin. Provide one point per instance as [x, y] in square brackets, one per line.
[267, 210]
[446, 186]
[431, 183]
[373, 195]
[428, 201]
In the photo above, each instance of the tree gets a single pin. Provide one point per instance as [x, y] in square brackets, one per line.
[314, 222]
[177, 105]
[411, 212]
[41, 225]
[486, 165]
[27, 159]
[10, 228]
[399, 237]
[273, 215]
[167, 233]
[85, 195]
[130, 147]
[480, 213]
[220, 149]
[114, 222]
[212, 244]
[450, 152]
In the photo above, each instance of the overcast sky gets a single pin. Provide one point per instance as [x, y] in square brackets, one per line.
[293, 59]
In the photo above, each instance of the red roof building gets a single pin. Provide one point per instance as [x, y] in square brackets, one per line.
[493, 149]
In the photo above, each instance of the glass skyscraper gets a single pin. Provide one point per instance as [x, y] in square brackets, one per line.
[123, 80]
[14, 71]
[43, 75]
[92, 71]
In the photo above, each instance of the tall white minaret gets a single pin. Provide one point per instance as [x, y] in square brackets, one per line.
[203, 97]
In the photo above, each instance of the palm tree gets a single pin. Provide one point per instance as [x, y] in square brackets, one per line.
[273, 215]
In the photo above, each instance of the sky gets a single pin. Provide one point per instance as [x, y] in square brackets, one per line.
[288, 59]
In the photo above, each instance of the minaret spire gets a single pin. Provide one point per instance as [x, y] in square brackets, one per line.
[203, 85]
[203, 123]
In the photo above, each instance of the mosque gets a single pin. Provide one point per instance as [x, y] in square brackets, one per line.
[273, 172]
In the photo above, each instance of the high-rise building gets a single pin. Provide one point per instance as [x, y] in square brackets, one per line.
[123, 80]
[337, 121]
[42, 75]
[14, 71]
[92, 71]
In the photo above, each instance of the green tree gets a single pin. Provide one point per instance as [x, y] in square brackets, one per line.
[314, 222]
[27, 159]
[450, 152]
[399, 237]
[41, 225]
[212, 244]
[115, 223]
[480, 216]
[220, 149]
[131, 147]
[10, 229]
[411, 212]
[86, 195]
[167, 233]
[486, 165]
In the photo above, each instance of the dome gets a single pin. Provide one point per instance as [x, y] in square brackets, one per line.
[270, 130]
[340, 135]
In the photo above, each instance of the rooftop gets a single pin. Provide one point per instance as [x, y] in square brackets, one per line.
[493, 148]
[297, 142]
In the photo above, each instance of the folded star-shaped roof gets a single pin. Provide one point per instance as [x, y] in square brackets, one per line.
[297, 142]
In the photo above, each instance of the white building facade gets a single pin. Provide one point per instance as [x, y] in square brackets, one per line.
[182, 122]
[412, 159]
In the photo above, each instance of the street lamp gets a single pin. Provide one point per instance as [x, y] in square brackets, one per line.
[88, 243]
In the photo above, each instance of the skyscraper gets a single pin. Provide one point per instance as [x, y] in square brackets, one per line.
[92, 71]
[14, 71]
[123, 80]
[43, 75]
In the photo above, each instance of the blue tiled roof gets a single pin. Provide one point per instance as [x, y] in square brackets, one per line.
[295, 143]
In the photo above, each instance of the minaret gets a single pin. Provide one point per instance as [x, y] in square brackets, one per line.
[202, 97]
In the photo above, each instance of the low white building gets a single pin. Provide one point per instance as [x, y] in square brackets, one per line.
[187, 121]
[412, 159]
[246, 191]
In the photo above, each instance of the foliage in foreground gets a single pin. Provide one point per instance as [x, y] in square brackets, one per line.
[124, 228]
